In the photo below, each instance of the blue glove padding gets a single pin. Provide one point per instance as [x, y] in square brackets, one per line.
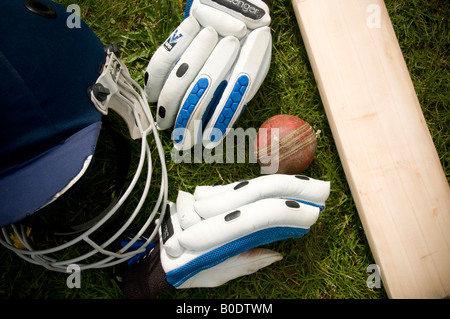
[209, 68]
[204, 238]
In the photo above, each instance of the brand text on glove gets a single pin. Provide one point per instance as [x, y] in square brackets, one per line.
[242, 6]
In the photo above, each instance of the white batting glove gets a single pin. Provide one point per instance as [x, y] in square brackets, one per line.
[212, 236]
[209, 68]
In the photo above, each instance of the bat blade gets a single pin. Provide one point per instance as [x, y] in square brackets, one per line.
[390, 162]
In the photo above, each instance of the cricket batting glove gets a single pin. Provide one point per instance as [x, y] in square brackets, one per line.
[209, 68]
[212, 236]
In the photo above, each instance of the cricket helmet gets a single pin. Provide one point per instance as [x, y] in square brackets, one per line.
[58, 82]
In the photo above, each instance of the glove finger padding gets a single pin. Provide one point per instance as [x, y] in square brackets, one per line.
[209, 68]
[210, 241]
[167, 55]
[212, 200]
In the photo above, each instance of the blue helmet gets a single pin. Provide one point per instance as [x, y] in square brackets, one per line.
[57, 82]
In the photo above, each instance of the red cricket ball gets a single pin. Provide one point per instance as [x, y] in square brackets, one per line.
[285, 144]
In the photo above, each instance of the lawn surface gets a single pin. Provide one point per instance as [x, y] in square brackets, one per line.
[332, 260]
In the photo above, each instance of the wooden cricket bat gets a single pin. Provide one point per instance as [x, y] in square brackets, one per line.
[391, 164]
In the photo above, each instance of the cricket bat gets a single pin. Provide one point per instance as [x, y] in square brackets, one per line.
[387, 152]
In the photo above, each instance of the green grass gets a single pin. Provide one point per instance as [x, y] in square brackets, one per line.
[331, 261]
